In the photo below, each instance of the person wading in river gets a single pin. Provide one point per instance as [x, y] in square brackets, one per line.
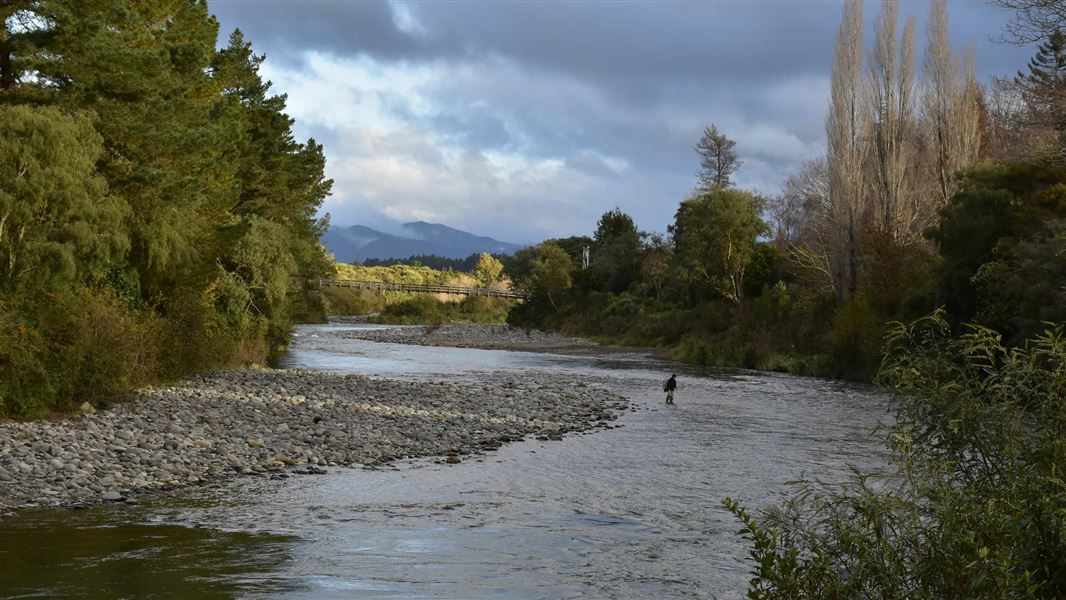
[669, 386]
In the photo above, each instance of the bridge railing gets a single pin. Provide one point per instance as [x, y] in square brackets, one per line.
[424, 288]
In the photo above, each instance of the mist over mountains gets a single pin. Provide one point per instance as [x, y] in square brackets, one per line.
[359, 242]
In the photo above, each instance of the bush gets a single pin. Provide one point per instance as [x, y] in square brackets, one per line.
[422, 310]
[974, 505]
[111, 348]
[855, 340]
[25, 390]
[79, 346]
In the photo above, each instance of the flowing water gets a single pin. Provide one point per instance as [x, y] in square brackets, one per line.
[631, 512]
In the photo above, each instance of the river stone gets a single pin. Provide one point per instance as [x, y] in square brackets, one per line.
[87, 409]
[217, 425]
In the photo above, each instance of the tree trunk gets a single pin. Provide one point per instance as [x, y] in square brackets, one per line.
[7, 67]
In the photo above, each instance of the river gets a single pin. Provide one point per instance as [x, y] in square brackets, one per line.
[631, 512]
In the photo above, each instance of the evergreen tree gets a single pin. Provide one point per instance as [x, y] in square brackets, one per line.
[279, 184]
[718, 160]
[141, 67]
[153, 177]
[1044, 85]
[616, 252]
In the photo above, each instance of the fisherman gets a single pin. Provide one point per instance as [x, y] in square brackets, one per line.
[669, 386]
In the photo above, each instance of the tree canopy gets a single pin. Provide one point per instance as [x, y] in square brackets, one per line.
[140, 162]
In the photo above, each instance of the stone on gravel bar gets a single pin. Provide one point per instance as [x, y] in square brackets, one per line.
[220, 425]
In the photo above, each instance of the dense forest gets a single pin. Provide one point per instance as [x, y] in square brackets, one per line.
[440, 263]
[154, 205]
[935, 191]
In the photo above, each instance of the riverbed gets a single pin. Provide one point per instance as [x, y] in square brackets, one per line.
[631, 511]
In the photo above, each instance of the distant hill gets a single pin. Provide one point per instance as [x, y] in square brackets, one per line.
[359, 242]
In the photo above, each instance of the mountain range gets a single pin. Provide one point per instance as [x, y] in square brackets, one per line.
[359, 242]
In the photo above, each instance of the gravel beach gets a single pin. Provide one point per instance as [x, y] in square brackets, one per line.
[260, 421]
[490, 337]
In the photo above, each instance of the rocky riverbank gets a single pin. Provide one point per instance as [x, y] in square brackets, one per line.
[258, 421]
[492, 337]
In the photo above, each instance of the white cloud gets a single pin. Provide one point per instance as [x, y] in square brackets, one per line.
[404, 19]
[487, 145]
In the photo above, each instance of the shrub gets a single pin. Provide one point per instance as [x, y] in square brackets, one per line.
[25, 389]
[973, 507]
[855, 339]
[422, 310]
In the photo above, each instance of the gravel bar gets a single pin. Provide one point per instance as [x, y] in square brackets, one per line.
[473, 336]
[257, 421]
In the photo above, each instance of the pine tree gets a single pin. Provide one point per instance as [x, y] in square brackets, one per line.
[718, 160]
[1044, 85]
[279, 183]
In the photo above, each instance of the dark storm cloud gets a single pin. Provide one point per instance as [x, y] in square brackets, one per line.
[286, 29]
[634, 47]
[615, 94]
[644, 50]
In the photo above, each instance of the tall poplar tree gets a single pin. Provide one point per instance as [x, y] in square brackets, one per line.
[846, 151]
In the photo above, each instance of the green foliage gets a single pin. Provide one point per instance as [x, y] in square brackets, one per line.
[518, 266]
[440, 263]
[58, 225]
[551, 273]
[61, 348]
[150, 186]
[25, 387]
[488, 270]
[715, 236]
[763, 270]
[973, 507]
[427, 310]
[998, 206]
[855, 338]
[348, 302]
[1023, 288]
[616, 253]
[1044, 84]
[396, 274]
[896, 275]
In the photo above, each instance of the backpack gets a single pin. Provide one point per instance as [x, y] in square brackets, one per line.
[666, 385]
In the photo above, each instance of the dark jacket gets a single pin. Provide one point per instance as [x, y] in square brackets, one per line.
[670, 385]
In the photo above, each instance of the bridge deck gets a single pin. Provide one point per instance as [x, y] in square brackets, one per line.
[426, 289]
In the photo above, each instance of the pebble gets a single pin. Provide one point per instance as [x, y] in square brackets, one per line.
[461, 335]
[221, 425]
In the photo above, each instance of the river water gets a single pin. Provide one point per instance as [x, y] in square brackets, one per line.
[631, 512]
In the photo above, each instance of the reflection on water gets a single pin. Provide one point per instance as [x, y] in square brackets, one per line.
[102, 553]
[633, 512]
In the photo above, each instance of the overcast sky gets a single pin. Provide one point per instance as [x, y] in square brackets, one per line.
[529, 120]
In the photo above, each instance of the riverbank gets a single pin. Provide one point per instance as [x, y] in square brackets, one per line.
[495, 337]
[258, 421]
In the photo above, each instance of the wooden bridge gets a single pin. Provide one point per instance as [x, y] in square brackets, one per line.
[422, 288]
